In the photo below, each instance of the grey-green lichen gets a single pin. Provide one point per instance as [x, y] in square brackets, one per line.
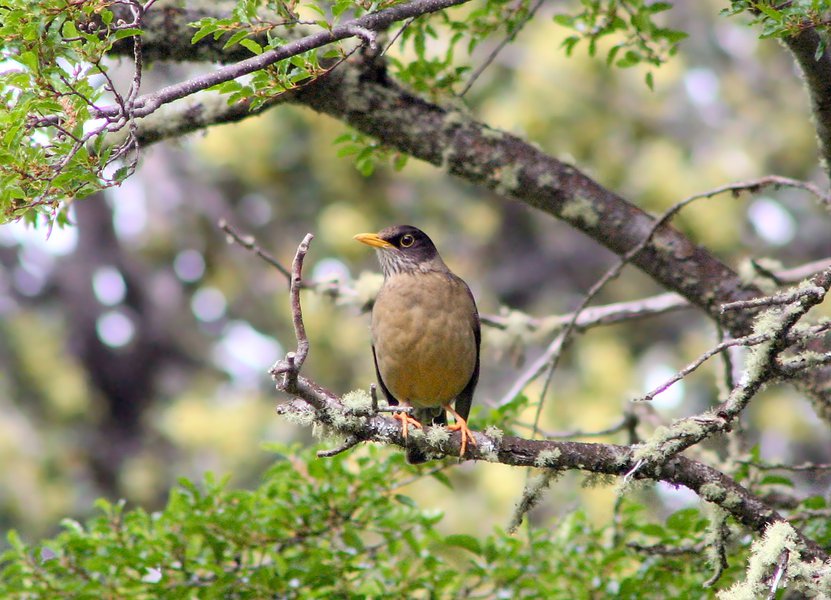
[713, 492]
[492, 134]
[453, 119]
[358, 402]
[437, 436]
[665, 440]
[493, 432]
[547, 458]
[766, 554]
[414, 433]
[580, 209]
[594, 480]
[546, 180]
[507, 177]
[301, 418]
[531, 496]
[342, 421]
[732, 501]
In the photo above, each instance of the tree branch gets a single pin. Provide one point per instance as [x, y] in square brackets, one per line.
[362, 27]
[361, 94]
[817, 73]
[315, 405]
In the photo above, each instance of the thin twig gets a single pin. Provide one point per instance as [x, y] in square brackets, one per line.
[734, 188]
[781, 466]
[249, 243]
[505, 41]
[296, 310]
[781, 567]
[665, 550]
[290, 367]
[349, 443]
[374, 21]
[750, 340]
[797, 274]
[532, 372]
[783, 298]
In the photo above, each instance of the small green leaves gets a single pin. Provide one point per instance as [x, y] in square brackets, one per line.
[368, 153]
[630, 25]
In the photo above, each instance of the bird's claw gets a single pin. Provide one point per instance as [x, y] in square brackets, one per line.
[467, 434]
[406, 419]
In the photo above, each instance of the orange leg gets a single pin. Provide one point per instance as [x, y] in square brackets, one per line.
[406, 420]
[460, 425]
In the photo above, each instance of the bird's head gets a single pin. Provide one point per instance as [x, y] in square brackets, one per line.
[403, 249]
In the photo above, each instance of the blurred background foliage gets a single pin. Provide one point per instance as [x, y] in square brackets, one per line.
[134, 345]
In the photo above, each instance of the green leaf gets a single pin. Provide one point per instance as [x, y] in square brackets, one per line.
[442, 478]
[205, 30]
[405, 500]
[684, 520]
[814, 503]
[630, 59]
[235, 39]
[251, 45]
[468, 542]
[69, 30]
[125, 33]
[772, 479]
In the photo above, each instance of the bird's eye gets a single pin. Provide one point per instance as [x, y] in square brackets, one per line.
[407, 240]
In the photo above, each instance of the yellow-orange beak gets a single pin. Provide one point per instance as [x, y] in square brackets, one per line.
[372, 239]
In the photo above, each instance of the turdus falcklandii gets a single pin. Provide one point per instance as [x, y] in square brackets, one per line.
[425, 333]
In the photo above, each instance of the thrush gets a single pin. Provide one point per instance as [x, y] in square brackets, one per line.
[425, 334]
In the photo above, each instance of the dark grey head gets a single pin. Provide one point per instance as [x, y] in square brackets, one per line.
[402, 249]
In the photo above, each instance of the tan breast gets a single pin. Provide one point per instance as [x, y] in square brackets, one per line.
[423, 333]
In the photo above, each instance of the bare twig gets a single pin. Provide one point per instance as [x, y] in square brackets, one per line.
[783, 298]
[290, 367]
[781, 567]
[296, 310]
[689, 431]
[750, 340]
[532, 372]
[505, 41]
[665, 550]
[607, 314]
[249, 243]
[810, 467]
[614, 271]
[349, 443]
[797, 274]
[371, 22]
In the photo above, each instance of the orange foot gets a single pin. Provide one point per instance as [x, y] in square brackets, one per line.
[406, 420]
[460, 425]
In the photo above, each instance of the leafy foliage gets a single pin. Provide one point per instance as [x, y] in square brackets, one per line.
[780, 19]
[54, 49]
[636, 37]
[338, 528]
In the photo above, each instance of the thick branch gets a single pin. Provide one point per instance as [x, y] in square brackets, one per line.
[321, 406]
[360, 27]
[817, 73]
[364, 97]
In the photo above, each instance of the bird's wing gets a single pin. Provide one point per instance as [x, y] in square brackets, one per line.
[465, 398]
[392, 400]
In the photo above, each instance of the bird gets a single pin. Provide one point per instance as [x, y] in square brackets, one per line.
[425, 334]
